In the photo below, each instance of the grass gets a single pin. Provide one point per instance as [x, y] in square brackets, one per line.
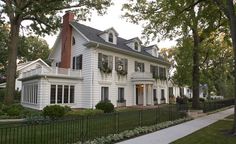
[217, 133]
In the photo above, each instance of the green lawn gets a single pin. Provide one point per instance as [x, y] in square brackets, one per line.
[213, 134]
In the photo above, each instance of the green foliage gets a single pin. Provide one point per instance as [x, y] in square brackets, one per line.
[54, 111]
[84, 112]
[67, 109]
[17, 95]
[183, 62]
[2, 94]
[180, 18]
[182, 100]
[31, 48]
[12, 110]
[3, 49]
[106, 106]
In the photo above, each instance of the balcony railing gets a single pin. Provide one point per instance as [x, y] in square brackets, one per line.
[141, 76]
[52, 71]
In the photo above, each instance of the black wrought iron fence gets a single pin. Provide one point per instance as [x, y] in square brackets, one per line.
[217, 104]
[87, 127]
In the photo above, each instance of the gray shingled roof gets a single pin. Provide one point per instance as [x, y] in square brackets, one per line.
[93, 35]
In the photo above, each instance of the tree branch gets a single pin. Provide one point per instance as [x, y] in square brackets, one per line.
[222, 7]
[38, 20]
[190, 6]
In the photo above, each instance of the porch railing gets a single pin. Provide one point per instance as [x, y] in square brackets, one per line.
[52, 71]
[141, 75]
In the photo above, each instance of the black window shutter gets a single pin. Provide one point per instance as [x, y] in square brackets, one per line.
[73, 65]
[99, 60]
[126, 65]
[116, 63]
[80, 62]
[142, 67]
[135, 66]
[77, 63]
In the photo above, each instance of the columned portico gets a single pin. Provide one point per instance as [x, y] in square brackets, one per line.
[142, 88]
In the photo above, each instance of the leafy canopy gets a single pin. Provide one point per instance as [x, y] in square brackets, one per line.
[44, 15]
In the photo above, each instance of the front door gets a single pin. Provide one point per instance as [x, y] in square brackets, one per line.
[139, 94]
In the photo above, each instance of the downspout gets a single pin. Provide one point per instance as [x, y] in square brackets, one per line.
[94, 55]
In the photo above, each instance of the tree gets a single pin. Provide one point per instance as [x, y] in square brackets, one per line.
[184, 18]
[228, 8]
[31, 48]
[3, 49]
[216, 62]
[44, 18]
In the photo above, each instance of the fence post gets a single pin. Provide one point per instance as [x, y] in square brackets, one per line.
[87, 129]
[82, 127]
[140, 118]
[118, 122]
[156, 114]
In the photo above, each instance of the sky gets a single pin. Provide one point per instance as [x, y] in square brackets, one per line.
[113, 19]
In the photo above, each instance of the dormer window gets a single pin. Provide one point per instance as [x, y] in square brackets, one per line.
[136, 46]
[110, 37]
[153, 50]
[134, 43]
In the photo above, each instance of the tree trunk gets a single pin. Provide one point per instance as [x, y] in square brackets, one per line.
[195, 73]
[232, 25]
[12, 57]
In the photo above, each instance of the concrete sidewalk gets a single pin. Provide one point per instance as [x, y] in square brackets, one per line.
[173, 133]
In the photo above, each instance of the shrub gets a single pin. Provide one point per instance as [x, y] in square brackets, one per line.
[1, 112]
[13, 110]
[201, 99]
[182, 100]
[67, 109]
[2, 94]
[190, 100]
[54, 111]
[17, 96]
[84, 112]
[106, 106]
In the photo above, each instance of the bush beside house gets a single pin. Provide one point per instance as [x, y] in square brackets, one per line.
[106, 106]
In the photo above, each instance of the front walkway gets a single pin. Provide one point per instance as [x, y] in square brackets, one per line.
[173, 133]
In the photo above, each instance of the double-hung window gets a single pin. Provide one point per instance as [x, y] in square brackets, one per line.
[139, 67]
[104, 94]
[77, 62]
[121, 94]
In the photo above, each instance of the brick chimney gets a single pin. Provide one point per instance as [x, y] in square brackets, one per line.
[66, 37]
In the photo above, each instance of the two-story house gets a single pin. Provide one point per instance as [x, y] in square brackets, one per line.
[89, 65]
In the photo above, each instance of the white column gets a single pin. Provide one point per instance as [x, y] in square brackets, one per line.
[134, 94]
[144, 95]
[151, 93]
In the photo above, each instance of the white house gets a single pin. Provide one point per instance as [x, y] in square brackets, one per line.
[28, 66]
[89, 65]
[25, 67]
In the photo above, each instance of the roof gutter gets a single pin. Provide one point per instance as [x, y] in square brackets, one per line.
[93, 44]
